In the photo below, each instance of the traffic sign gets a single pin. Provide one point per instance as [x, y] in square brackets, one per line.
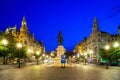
[63, 56]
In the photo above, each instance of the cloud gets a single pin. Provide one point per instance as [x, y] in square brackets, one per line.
[115, 11]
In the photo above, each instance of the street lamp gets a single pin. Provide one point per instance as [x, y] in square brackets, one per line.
[85, 59]
[37, 55]
[116, 45]
[107, 47]
[19, 45]
[29, 54]
[91, 52]
[78, 55]
[4, 42]
[78, 58]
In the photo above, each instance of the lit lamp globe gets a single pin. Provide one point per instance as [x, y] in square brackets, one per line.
[73, 56]
[78, 55]
[91, 51]
[4, 42]
[85, 53]
[52, 54]
[47, 56]
[43, 55]
[19, 45]
[116, 44]
[29, 50]
[107, 47]
[37, 52]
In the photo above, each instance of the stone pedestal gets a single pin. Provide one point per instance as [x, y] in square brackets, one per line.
[60, 51]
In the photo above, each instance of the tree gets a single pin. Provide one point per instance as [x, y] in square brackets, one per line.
[11, 51]
[112, 55]
[23, 53]
[115, 55]
[105, 55]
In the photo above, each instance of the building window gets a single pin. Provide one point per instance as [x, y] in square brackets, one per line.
[93, 40]
[112, 39]
[25, 42]
[99, 34]
[99, 40]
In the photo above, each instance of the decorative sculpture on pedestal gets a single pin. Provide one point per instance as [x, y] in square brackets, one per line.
[60, 49]
[60, 38]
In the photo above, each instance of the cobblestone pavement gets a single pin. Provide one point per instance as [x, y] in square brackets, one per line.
[74, 72]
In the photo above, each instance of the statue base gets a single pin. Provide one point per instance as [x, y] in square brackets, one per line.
[60, 51]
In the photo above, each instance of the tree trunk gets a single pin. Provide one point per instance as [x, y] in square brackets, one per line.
[107, 65]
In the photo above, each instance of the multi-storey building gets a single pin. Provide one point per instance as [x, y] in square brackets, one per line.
[23, 36]
[97, 39]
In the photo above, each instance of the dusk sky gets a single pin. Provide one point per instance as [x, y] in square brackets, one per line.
[45, 18]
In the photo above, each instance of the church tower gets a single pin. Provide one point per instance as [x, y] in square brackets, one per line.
[119, 30]
[24, 32]
[24, 29]
[119, 33]
[95, 25]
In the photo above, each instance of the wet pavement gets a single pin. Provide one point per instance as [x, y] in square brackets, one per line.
[49, 72]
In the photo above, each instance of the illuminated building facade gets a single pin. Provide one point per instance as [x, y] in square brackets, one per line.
[97, 39]
[23, 36]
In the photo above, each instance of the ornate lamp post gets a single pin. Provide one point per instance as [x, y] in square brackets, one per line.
[91, 52]
[4, 42]
[116, 45]
[78, 58]
[107, 47]
[78, 55]
[37, 55]
[29, 54]
[19, 45]
[85, 59]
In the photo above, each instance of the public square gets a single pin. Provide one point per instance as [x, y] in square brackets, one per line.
[60, 40]
[50, 72]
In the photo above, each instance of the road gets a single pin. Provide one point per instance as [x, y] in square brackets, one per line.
[76, 72]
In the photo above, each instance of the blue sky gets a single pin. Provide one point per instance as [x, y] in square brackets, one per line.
[45, 18]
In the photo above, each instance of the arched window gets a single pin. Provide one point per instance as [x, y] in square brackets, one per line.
[25, 42]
